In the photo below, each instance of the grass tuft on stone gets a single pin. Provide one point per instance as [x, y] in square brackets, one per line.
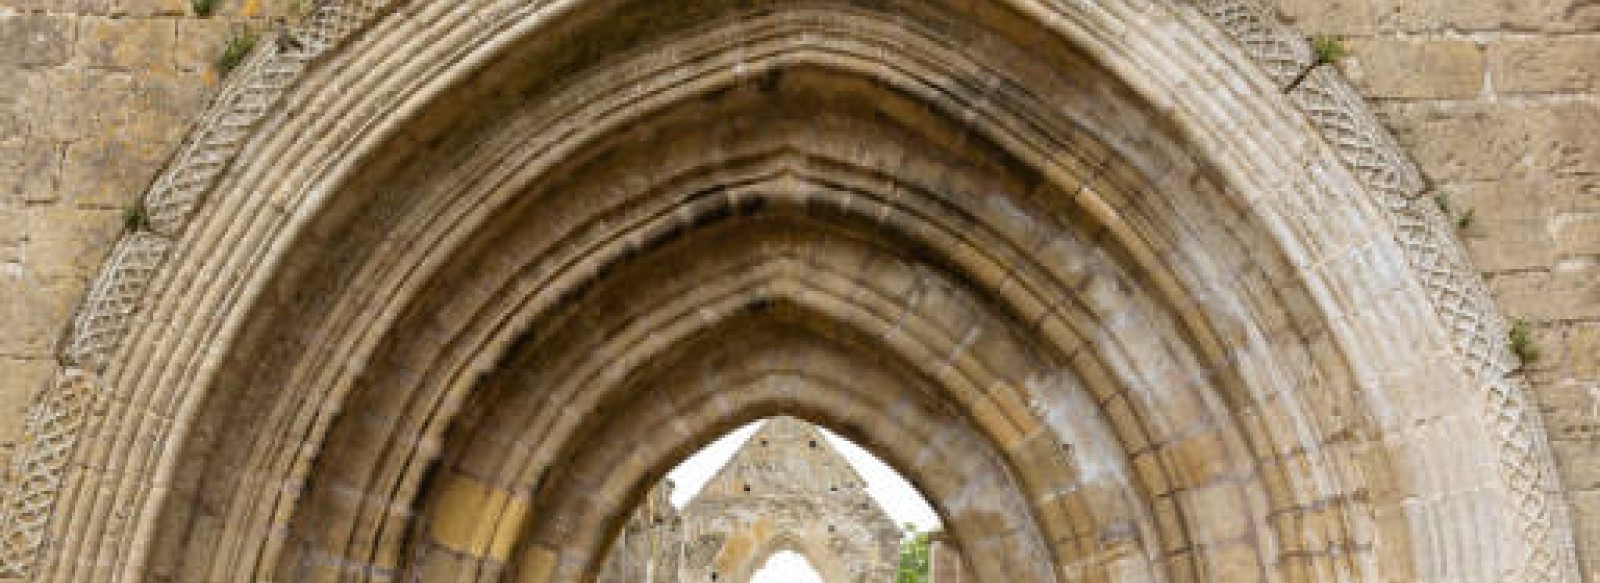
[1522, 344]
[136, 218]
[235, 50]
[203, 8]
[1328, 49]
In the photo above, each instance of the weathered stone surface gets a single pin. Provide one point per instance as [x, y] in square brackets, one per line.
[20, 380]
[785, 489]
[20, 103]
[84, 103]
[109, 173]
[1564, 140]
[67, 243]
[28, 171]
[203, 41]
[35, 39]
[1539, 65]
[13, 232]
[35, 311]
[1486, 15]
[1415, 69]
[126, 43]
[1506, 224]
[1332, 17]
[1461, 141]
[1570, 290]
[1583, 344]
[154, 8]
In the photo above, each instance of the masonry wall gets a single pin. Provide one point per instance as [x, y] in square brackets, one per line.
[1499, 100]
[95, 95]
[1500, 103]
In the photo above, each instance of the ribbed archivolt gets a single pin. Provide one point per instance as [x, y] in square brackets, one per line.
[1085, 272]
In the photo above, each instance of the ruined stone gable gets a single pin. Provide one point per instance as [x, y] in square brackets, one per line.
[786, 489]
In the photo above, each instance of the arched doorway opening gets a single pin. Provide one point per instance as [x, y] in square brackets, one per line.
[787, 567]
[775, 486]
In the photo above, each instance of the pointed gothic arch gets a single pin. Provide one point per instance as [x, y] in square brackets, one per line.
[1139, 309]
[815, 558]
[809, 564]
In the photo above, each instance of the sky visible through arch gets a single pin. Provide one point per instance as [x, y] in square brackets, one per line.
[786, 567]
[897, 497]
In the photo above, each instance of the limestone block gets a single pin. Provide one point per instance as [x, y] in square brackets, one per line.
[1544, 64]
[1460, 141]
[1505, 224]
[1586, 519]
[1571, 412]
[1335, 17]
[1477, 15]
[20, 380]
[13, 232]
[1577, 234]
[70, 243]
[1583, 352]
[21, 101]
[1569, 291]
[126, 43]
[35, 312]
[167, 104]
[1411, 69]
[76, 104]
[1576, 456]
[1565, 138]
[61, 6]
[35, 39]
[1574, 195]
[200, 42]
[153, 7]
[109, 173]
[27, 171]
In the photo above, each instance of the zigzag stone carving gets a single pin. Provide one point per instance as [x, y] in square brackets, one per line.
[103, 320]
[53, 426]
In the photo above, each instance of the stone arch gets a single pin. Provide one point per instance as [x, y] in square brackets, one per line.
[788, 489]
[819, 559]
[1130, 203]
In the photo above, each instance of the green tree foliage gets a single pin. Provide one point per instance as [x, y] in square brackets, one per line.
[913, 557]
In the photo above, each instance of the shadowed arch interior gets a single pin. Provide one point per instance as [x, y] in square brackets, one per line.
[1038, 318]
[937, 197]
[938, 227]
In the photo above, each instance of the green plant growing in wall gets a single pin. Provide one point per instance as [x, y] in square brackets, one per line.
[1328, 50]
[235, 50]
[1325, 50]
[1522, 344]
[136, 218]
[1464, 220]
[914, 559]
[203, 8]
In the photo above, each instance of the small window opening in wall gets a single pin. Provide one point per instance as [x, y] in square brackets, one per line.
[747, 487]
[763, 443]
[812, 444]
